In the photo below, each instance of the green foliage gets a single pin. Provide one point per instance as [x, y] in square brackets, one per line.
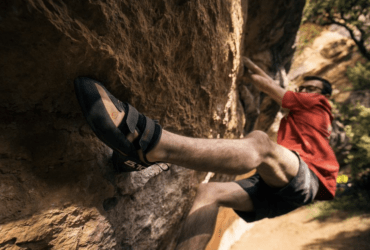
[329, 11]
[350, 14]
[307, 34]
[357, 120]
[359, 75]
[353, 204]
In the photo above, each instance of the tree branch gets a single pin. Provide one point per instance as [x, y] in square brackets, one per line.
[360, 43]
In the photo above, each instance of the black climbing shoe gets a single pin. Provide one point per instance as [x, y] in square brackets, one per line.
[111, 120]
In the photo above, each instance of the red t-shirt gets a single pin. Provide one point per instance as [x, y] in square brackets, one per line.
[306, 130]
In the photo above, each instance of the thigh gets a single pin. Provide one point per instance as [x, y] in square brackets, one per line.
[226, 194]
[279, 167]
[302, 189]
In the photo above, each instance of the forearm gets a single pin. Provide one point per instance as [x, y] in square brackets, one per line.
[269, 87]
[263, 82]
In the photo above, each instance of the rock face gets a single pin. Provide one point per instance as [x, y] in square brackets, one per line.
[176, 61]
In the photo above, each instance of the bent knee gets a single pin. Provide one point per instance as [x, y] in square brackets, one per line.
[226, 194]
[207, 191]
[263, 144]
[258, 135]
[210, 193]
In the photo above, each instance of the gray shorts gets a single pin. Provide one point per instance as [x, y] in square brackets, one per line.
[271, 202]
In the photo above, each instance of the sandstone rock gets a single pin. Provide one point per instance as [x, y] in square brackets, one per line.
[176, 61]
[331, 53]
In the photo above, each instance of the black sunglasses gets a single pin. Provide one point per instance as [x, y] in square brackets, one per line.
[309, 88]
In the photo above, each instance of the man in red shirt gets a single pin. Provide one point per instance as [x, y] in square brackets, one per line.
[299, 168]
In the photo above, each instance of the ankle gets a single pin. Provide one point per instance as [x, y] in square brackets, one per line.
[163, 151]
[157, 154]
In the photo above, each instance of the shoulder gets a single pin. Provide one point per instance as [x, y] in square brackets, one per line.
[309, 98]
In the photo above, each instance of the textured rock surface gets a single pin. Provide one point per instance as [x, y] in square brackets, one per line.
[176, 61]
[331, 53]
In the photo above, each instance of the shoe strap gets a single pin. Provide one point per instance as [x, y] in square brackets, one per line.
[149, 131]
[132, 118]
[147, 134]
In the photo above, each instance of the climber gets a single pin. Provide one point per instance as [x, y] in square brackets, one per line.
[291, 173]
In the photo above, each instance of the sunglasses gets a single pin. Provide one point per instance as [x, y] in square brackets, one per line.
[308, 88]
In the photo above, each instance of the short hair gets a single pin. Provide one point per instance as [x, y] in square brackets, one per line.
[327, 89]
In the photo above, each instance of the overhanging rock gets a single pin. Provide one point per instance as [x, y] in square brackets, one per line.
[176, 61]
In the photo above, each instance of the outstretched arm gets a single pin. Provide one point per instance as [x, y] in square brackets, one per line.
[263, 82]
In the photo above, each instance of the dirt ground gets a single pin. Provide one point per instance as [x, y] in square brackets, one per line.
[299, 230]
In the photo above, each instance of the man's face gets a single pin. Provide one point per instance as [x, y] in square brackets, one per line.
[311, 86]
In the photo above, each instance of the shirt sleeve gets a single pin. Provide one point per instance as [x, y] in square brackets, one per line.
[300, 101]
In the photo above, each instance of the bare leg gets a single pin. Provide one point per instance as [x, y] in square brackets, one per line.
[220, 155]
[237, 156]
[275, 164]
[216, 155]
[200, 223]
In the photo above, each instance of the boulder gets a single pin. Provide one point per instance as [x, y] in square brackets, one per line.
[176, 61]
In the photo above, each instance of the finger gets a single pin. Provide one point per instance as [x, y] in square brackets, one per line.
[247, 77]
